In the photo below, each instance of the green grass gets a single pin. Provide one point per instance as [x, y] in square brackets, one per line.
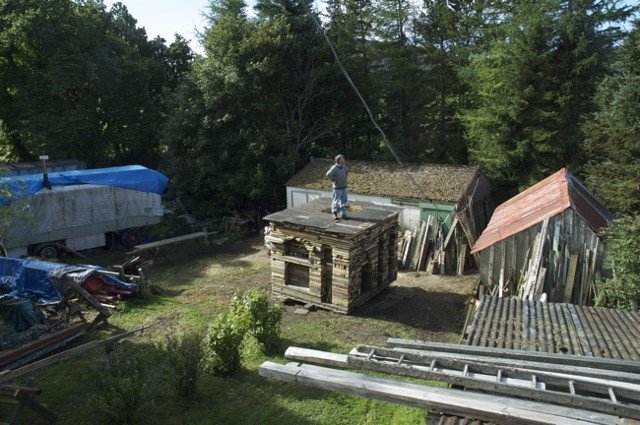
[197, 287]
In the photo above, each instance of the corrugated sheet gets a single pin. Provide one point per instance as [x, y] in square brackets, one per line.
[547, 198]
[444, 183]
[555, 328]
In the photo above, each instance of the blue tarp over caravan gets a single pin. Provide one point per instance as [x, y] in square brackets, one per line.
[41, 281]
[134, 177]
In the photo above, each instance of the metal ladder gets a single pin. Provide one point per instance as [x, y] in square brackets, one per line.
[586, 389]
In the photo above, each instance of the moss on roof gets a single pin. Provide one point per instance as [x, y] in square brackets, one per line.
[444, 183]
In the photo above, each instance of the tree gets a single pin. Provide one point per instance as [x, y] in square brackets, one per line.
[612, 144]
[349, 28]
[77, 81]
[509, 127]
[622, 237]
[534, 85]
[397, 76]
[446, 34]
[257, 106]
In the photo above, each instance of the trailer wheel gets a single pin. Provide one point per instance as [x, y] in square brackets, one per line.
[48, 251]
[131, 238]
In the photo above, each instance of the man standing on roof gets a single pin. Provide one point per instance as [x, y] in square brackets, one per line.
[338, 175]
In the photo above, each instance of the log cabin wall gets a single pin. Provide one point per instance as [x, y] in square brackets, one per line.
[332, 270]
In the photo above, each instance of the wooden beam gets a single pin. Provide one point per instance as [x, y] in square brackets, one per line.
[8, 375]
[488, 407]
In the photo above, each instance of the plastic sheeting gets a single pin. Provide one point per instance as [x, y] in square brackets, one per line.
[134, 177]
[80, 210]
[44, 282]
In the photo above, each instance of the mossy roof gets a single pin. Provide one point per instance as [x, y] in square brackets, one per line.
[432, 182]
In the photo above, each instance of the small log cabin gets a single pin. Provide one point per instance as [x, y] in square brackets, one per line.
[337, 265]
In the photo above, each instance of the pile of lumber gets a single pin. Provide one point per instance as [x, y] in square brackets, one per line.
[434, 249]
[557, 260]
[500, 386]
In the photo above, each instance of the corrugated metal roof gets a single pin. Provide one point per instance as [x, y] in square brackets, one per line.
[445, 183]
[547, 198]
[555, 328]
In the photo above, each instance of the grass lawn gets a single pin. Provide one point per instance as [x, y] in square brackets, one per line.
[197, 285]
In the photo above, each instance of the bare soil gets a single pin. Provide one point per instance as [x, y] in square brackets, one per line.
[432, 306]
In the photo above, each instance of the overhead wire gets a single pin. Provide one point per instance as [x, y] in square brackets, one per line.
[355, 88]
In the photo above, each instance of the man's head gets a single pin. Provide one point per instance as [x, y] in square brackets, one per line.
[340, 159]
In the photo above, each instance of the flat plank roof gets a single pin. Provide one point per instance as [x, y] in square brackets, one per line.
[317, 215]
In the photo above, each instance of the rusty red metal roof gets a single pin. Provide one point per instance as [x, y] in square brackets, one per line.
[547, 198]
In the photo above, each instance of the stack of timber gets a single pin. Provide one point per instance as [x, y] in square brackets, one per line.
[438, 247]
[559, 259]
[337, 265]
[499, 386]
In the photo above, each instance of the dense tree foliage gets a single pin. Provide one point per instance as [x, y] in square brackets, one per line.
[262, 87]
[79, 82]
[622, 290]
[503, 84]
[534, 84]
[612, 142]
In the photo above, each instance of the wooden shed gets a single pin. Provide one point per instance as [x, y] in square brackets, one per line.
[429, 196]
[545, 241]
[338, 265]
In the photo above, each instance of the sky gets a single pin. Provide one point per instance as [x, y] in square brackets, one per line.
[168, 17]
[185, 17]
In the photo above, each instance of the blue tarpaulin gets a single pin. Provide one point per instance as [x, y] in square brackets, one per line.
[134, 177]
[41, 281]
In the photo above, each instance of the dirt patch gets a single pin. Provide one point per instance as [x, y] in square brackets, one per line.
[432, 305]
[416, 305]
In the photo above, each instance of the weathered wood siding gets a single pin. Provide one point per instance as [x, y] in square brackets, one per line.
[334, 265]
[569, 262]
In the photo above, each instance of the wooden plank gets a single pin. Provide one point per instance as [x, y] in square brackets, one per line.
[40, 409]
[515, 382]
[461, 259]
[169, 241]
[501, 410]
[7, 376]
[571, 277]
[451, 231]
[316, 356]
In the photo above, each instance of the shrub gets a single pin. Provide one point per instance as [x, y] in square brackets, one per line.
[622, 239]
[264, 319]
[184, 362]
[123, 386]
[223, 342]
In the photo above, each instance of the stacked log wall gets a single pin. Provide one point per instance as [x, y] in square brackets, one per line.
[376, 246]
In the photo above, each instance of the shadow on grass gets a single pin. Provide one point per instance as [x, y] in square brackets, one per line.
[415, 307]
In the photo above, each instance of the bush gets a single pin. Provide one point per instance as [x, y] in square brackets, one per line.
[264, 319]
[223, 342]
[184, 362]
[622, 239]
[123, 390]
